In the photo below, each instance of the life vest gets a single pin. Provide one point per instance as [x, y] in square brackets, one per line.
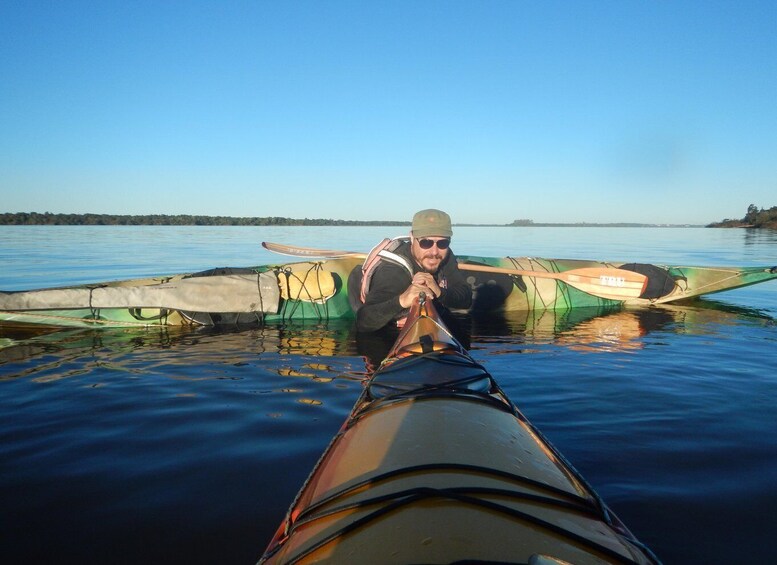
[384, 251]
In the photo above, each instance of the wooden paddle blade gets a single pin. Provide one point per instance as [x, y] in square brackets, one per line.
[298, 251]
[617, 284]
[604, 282]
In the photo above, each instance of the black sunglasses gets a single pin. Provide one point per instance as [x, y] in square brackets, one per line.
[429, 243]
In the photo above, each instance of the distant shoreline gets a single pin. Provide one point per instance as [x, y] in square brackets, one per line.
[49, 219]
[755, 218]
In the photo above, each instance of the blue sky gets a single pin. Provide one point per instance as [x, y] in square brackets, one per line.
[494, 111]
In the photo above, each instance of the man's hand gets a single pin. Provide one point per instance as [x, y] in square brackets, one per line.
[422, 282]
[427, 281]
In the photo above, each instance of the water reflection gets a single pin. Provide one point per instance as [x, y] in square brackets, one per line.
[583, 329]
[50, 348]
[607, 330]
[756, 236]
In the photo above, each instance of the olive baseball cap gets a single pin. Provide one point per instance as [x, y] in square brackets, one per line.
[432, 222]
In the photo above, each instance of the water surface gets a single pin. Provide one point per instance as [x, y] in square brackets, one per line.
[173, 445]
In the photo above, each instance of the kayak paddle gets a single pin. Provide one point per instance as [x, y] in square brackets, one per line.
[604, 282]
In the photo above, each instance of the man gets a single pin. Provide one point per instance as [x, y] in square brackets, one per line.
[425, 264]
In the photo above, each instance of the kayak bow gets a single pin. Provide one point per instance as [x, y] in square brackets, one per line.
[436, 465]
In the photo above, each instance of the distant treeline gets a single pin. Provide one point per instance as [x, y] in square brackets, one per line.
[49, 219]
[755, 218]
[533, 224]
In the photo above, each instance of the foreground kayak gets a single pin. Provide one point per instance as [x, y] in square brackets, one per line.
[318, 290]
[436, 465]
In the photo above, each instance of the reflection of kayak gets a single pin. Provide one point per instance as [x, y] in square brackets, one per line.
[597, 329]
[435, 465]
[318, 290]
[203, 345]
[606, 329]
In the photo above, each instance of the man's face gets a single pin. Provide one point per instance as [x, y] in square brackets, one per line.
[431, 257]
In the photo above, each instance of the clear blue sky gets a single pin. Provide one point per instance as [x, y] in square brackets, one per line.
[492, 110]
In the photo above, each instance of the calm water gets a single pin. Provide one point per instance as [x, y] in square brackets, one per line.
[176, 445]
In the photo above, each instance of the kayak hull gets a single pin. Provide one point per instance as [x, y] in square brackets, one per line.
[435, 465]
[459, 511]
[318, 290]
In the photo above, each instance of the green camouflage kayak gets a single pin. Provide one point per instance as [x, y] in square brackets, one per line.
[318, 290]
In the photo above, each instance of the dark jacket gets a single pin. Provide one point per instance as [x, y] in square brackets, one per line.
[382, 307]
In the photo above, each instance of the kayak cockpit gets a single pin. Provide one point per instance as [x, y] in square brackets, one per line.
[427, 359]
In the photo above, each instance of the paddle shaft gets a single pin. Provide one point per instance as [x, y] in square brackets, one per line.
[604, 282]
